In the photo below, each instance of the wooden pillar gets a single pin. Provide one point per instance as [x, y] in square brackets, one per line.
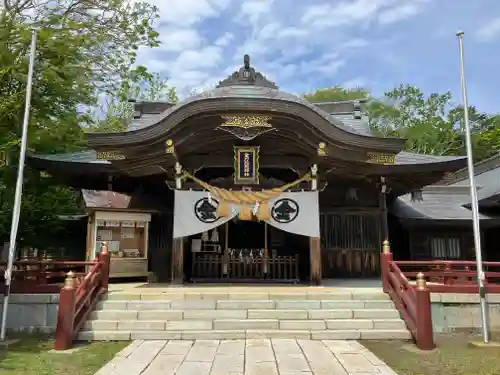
[266, 253]
[424, 335]
[384, 230]
[385, 260]
[65, 329]
[177, 261]
[90, 237]
[315, 255]
[225, 257]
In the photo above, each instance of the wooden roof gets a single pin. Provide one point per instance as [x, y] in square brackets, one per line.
[246, 91]
[110, 200]
[298, 127]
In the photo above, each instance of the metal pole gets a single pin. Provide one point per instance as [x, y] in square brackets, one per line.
[473, 194]
[19, 188]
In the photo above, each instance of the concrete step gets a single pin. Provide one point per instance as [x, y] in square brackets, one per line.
[239, 314]
[115, 335]
[243, 304]
[244, 324]
[244, 314]
[311, 294]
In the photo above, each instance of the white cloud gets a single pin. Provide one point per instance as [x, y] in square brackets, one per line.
[354, 43]
[204, 58]
[224, 40]
[399, 13]
[252, 10]
[178, 40]
[299, 44]
[188, 12]
[343, 13]
[490, 30]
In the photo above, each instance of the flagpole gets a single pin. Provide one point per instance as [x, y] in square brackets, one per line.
[473, 195]
[19, 188]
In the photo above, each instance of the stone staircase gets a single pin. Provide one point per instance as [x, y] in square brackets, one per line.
[199, 313]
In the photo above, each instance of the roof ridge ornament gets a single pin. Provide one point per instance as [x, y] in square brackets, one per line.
[247, 76]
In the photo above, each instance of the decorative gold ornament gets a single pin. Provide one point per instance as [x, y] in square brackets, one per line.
[386, 247]
[322, 149]
[377, 158]
[246, 164]
[421, 282]
[70, 281]
[169, 147]
[109, 155]
[245, 127]
[247, 122]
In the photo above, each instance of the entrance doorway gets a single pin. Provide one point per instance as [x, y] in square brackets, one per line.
[247, 251]
[247, 234]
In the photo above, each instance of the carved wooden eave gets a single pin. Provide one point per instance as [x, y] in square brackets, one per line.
[245, 91]
[285, 105]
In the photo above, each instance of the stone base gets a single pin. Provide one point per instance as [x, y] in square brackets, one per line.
[413, 349]
[76, 347]
[8, 342]
[482, 344]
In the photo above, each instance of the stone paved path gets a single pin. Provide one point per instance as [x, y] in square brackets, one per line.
[246, 357]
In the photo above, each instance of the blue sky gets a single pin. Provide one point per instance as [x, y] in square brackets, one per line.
[309, 44]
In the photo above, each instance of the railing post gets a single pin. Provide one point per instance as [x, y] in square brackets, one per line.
[385, 259]
[66, 314]
[448, 274]
[104, 258]
[424, 338]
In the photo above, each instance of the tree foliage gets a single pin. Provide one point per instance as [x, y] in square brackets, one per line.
[336, 94]
[116, 112]
[84, 48]
[433, 124]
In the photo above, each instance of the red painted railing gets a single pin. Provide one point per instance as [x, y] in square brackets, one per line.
[412, 301]
[410, 283]
[42, 276]
[79, 297]
[453, 276]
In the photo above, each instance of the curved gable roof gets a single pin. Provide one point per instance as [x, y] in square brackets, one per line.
[245, 98]
[246, 90]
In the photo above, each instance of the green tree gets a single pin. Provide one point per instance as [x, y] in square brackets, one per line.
[117, 111]
[432, 124]
[408, 113]
[83, 49]
[488, 143]
[337, 94]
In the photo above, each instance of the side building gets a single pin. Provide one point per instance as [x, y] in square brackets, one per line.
[246, 182]
[436, 222]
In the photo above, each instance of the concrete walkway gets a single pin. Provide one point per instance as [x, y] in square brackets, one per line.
[246, 357]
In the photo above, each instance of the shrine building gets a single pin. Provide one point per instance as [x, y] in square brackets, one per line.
[248, 183]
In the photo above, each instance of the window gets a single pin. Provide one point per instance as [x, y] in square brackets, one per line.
[445, 247]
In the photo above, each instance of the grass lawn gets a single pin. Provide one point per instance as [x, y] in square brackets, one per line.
[31, 356]
[453, 357]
